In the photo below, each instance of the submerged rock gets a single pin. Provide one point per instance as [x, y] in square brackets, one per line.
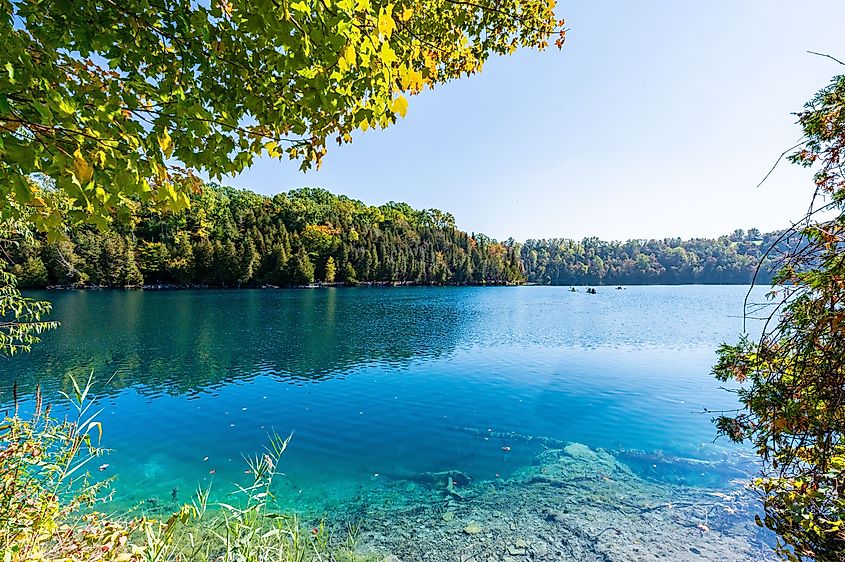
[579, 451]
[572, 504]
[516, 551]
[472, 528]
[438, 479]
[518, 548]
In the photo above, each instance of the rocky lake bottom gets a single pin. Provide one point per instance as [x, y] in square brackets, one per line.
[574, 504]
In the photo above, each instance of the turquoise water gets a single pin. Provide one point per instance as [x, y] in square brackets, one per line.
[380, 383]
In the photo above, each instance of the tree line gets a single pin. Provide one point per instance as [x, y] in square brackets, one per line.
[235, 238]
[730, 259]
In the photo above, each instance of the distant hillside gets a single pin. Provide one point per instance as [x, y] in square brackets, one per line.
[730, 259]
[234, 238]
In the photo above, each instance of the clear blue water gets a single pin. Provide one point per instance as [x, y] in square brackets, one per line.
[382, 382]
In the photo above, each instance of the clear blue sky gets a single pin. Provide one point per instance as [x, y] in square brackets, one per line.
[657, 119]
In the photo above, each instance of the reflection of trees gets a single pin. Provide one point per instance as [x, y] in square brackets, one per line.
[179, 342]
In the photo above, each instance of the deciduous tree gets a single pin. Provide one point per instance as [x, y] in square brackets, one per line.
[793, 377]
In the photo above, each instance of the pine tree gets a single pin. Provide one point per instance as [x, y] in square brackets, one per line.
[131, 276]
[302, 270]
[331, 270]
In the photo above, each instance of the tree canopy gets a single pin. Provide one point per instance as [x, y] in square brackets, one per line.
[231, 238]
[108, 101]
[728, 259]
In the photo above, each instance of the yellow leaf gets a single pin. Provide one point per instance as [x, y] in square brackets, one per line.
[400, 106]
[410, 79]
[386, 25]
[349, 55]
[387, 55]
[82, 170]
[406, 14]
[272, 149]
[165, 143]
[160, 171]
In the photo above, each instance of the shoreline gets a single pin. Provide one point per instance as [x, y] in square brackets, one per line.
[178, 287]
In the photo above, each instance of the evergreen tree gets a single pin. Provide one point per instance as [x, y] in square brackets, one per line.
[331, 270]
[302, 270]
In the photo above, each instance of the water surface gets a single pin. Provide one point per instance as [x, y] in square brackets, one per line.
[384, 382]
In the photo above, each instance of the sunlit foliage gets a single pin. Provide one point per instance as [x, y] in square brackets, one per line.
[234, 238]
[108, 101]
[793, 377]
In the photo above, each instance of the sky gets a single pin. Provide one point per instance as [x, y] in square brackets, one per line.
[657, 119]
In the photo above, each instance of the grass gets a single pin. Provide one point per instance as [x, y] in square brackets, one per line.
[51, 508]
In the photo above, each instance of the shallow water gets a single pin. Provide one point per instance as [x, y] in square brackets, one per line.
[382, 383]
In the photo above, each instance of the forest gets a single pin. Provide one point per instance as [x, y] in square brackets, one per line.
[237, 238]
[731, 259]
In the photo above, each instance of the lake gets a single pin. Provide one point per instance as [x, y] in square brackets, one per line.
[380, 384]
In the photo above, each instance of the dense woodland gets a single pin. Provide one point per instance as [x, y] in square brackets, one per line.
[235, 238]
[729, 259]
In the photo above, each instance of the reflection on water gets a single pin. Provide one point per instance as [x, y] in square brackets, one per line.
[183, 342]
[387, 383]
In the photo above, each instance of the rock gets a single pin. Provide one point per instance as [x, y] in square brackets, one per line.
[514, 550]
[472, 528]
[579, 451]
[438, 479]
[540, 551]
[448, 516]
[450, 489]
[519, 543]
[391, 558]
